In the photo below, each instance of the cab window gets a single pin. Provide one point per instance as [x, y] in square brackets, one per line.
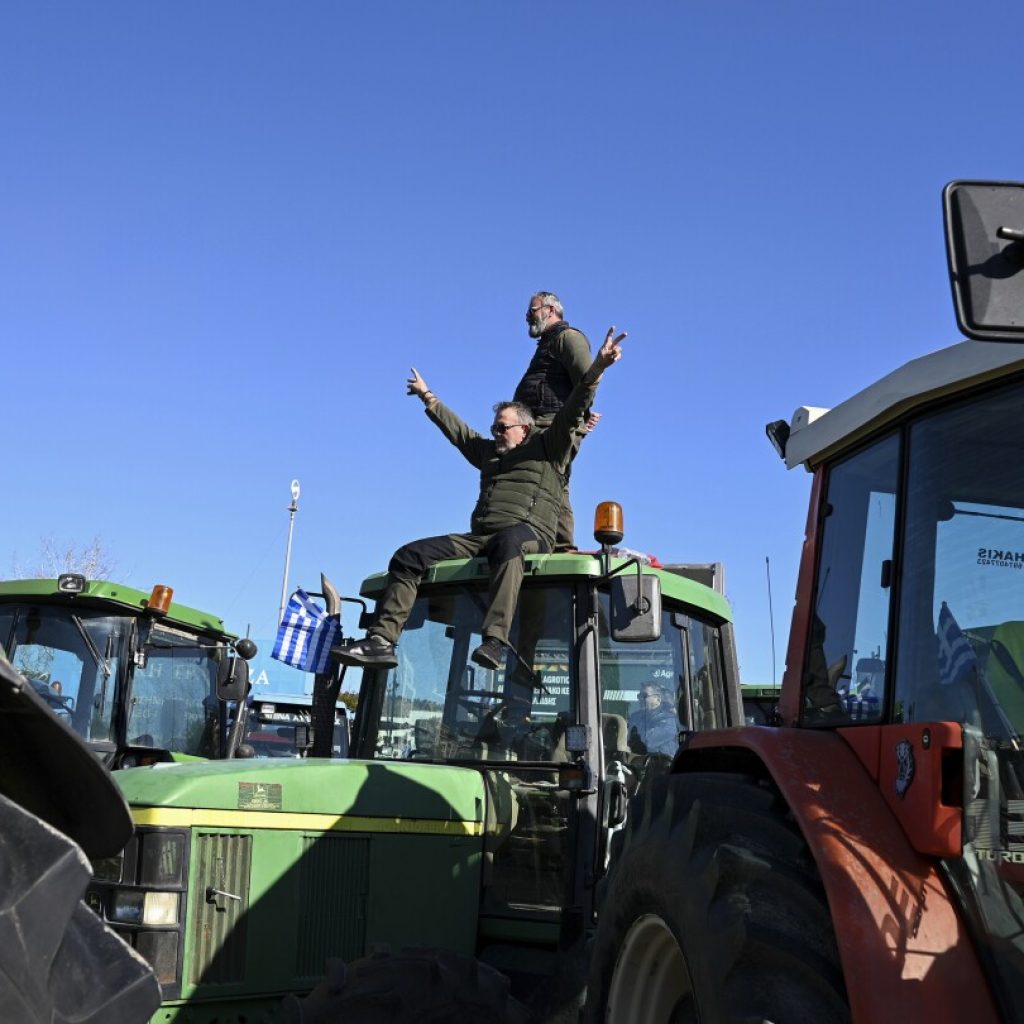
[172, 705]
[844, 675]
[438, 705]
[650, 692]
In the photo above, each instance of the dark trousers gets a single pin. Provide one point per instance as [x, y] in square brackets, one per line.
[504, 551]
[564, 531]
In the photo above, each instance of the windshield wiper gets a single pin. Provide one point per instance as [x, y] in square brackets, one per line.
[101, 662]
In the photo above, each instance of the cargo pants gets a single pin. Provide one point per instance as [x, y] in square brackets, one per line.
[504, 551]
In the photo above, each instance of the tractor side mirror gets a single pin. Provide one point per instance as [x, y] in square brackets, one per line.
[232, 679]
[985, 250]
[635, 608]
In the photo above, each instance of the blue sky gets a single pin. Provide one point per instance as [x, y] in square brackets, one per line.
[227, 229]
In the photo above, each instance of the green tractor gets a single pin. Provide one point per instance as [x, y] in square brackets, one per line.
[760, 703]
[467, 830]
[140, 678]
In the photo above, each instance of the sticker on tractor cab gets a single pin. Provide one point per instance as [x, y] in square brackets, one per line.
[259, 796]
[905, 767]
[1005, 559]
[555, 677]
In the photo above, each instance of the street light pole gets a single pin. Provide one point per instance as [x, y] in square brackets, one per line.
[292, 509]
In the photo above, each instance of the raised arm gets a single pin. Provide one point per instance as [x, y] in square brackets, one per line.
[473, 447]
[558, 437]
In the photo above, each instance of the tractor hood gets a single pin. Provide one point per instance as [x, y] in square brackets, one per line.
[328, 795]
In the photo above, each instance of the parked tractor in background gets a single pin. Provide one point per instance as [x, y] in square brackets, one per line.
[473, 821]
[760, 704]
[279, 725]
[865, 861]
[139, 678]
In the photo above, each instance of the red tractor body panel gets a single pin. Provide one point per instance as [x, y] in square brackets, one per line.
[905, 952]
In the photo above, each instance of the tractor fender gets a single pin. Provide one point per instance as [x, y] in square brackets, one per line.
[905, 950]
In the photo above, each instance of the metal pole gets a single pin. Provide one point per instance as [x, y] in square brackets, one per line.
[292, 509]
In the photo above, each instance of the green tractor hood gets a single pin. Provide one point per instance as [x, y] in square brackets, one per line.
[321, 795]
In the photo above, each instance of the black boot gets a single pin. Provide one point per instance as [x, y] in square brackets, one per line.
[373, 651]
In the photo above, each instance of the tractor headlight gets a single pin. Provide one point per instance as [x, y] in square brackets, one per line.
[132, 906]
[160, 908]
[126, 906]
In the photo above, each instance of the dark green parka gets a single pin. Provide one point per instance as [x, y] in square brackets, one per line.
[525, 484]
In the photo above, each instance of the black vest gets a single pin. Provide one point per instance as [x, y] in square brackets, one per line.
[546, 384]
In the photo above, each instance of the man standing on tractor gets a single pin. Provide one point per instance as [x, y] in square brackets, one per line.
[561, 359]
[522, 482]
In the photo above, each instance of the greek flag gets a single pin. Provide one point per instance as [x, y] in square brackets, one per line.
[957, 660]
[306, 634]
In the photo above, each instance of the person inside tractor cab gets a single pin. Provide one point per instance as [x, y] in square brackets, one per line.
[522, 483]
[654, 727]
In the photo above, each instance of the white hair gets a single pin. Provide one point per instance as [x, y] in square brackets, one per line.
[552, 300]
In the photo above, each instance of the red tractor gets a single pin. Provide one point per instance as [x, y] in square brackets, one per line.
[863, 860]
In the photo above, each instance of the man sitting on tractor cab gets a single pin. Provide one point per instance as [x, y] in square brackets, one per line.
[522, 483]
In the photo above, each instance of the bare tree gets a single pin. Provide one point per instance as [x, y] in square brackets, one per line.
[92, 560]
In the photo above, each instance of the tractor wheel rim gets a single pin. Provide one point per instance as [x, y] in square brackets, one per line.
[651, 982]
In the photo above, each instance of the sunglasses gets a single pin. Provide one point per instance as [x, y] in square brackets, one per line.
[502, 428]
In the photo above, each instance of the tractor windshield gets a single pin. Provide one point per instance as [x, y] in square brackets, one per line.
[72, 659]
[961, 624]
[438, 705]
[960, 651]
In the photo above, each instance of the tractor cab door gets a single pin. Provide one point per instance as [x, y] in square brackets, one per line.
[651, 695]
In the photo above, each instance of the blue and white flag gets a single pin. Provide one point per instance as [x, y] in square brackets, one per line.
[306, 634]
[957, 660]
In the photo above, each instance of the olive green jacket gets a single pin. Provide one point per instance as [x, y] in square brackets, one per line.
[525, 484]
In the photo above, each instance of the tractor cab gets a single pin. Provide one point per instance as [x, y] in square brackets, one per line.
[135, 675]
[610, 661]
[910, 606]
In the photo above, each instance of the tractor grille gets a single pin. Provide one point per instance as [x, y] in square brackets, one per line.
[218, 946]
[334, 880]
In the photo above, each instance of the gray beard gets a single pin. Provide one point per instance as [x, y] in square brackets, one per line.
[535, 329]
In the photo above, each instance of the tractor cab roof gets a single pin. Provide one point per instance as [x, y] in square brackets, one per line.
[684, 582]
[103, 594]
[818, 434]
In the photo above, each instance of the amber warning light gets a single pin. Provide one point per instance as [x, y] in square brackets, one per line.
[608, 523]
[160, 600]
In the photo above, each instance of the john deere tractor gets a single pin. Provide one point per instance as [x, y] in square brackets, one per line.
[468, 829]
[864, 860]
[140, 678]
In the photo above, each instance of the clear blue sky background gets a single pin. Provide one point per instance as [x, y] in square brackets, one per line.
[227, 229]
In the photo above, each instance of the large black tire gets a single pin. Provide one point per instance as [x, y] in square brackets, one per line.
[714, 913]
[58, 962]
[415, 986]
